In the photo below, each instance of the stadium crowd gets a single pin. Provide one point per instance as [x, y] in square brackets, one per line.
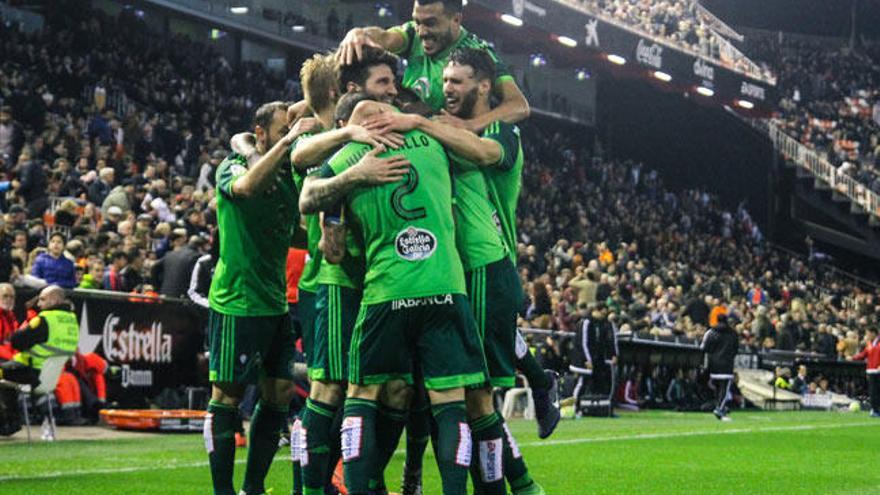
[137, 175]
[831, 101]
[680, 22]
[671, 260]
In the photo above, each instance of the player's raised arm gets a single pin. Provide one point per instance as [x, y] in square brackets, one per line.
[322, 192]
[462, 142]
[272, 145]
[351, 47]
[514, 107]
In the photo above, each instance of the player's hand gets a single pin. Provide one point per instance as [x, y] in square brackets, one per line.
[243, 143]
[332, 243]
[352, 46]
[373, 170]
[302, 126]
[392, 121]
[374, 138]
[449, 119]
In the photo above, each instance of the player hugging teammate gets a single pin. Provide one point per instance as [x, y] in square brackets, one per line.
[410, 293]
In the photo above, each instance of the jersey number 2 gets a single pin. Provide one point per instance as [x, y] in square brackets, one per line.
[411, 182]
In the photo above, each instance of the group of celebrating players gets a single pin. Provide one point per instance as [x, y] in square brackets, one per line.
[405, 198]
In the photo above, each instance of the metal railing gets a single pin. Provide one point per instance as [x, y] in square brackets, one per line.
[809, 160]
[752, 69]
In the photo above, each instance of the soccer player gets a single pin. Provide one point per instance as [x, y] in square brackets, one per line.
[721, 344]
[426, 43]
[493, 282]
[250, 336]
[414, 303]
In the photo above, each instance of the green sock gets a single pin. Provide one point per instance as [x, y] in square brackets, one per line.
[335, 441]
[389, 426]
[453, 446]
[515, 469]
[265, 431]
[487, 471]
[296, 454]
[219, 433]
[532, 370]
[359, 444]
[316, 424]
[418, 432]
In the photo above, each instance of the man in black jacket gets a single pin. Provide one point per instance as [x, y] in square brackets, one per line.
[172, 273]
[721, 345]
[595, 351]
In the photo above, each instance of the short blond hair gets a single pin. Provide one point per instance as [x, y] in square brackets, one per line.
[319, 77]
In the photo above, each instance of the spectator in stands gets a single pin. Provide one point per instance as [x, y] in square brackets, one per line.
[8, 321]
[32, 185]
[173, 272]
[131, 274]
[93, 278]
[11, 135]
[100, 189]
[112, 279]
[53, 267]
[801, 381]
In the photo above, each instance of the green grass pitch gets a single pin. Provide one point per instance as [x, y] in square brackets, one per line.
[651, 452]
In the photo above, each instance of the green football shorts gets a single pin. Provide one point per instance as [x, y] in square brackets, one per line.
[244, 348]
[306, 308]
[438, 332]
[336, 311]
[495, 296]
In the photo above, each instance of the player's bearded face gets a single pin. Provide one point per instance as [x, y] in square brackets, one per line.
[461, 92]
[435, 26]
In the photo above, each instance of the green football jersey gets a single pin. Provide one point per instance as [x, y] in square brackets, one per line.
[505, 179]
[407, 226]
[424, 74]
[477, 232]
[255, 234]
[309, 279]
[350, 272]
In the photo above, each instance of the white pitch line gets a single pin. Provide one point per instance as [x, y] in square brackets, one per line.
[545, 443]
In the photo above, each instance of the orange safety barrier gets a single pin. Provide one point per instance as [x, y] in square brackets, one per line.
[155, 419]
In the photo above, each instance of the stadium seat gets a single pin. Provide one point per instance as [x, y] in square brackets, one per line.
[49, 374]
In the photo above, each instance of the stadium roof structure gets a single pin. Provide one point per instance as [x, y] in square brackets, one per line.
[571, 35]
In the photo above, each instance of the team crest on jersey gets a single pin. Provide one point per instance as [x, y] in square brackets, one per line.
[422, 87]
[414, 244]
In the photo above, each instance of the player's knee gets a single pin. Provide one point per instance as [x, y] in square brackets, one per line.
[366, 392]
[479, 402]
[278, 391]
[446, 396]
[397, 394]
[327, 392]
[228, 394]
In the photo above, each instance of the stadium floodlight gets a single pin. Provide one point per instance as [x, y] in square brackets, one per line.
[662, 76]
[512, 20]
[705, 91]
[299, 28]
[745, 104]
[239, 10]
[616, 59]
[582, 74]
[464, 3]
[537, 60]
[565, 40]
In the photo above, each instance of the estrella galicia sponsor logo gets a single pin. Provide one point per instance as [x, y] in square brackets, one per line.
[649, 54]
[135, 343]
[441, 300]
[704, 70]
[414, 244]
[592, 37]
[753, 90]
